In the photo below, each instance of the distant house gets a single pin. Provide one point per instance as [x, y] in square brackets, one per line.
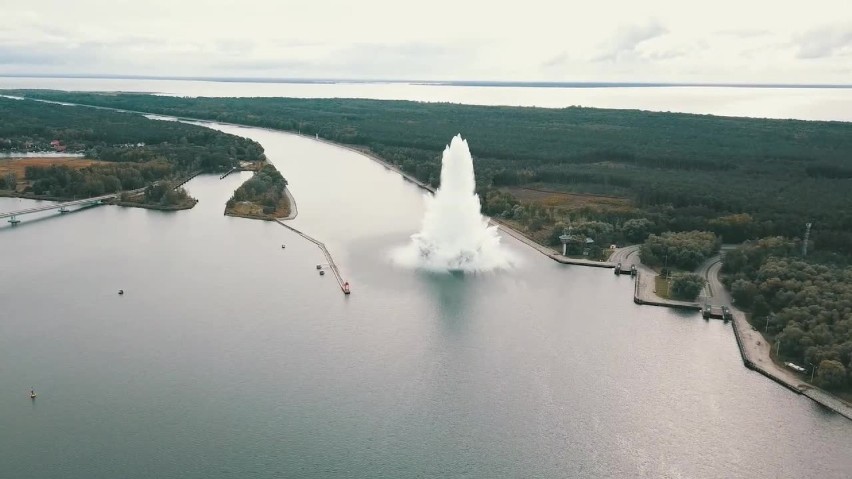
[57, 146]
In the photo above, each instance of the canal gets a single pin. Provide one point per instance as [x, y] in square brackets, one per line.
[229, 356]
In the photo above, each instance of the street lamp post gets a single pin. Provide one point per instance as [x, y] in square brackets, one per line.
[565, 239]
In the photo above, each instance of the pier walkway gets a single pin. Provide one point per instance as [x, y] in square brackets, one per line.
[331, 264]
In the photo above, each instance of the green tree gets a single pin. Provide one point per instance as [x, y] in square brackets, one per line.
[743, 291]
[685, 250]
[636, 230]
[831, 374]
[686, 286]
[9, 181]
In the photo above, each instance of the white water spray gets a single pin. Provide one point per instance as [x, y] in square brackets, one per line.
[455, 236]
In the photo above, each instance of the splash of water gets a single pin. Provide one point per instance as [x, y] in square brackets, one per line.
[454, 235]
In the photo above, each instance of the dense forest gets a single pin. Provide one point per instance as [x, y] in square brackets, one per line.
[805, 308]
[685, 250]
[737, 177]
[132, 150]
[63, 182]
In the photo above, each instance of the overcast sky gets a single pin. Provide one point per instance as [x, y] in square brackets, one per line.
[776, 41]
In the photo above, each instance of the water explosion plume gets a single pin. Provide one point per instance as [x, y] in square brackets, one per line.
[454, 235]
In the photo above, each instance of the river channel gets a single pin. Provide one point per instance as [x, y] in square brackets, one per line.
[229, 356]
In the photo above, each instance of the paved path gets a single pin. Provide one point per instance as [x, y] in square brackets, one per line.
[549, 252]
[626, 256]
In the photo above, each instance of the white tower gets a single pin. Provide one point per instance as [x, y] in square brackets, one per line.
[805, 243]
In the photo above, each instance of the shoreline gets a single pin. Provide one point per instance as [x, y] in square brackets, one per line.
[640, 289]
[131, 204]
[294, 210]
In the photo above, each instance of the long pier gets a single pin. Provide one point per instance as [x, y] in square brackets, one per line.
[229, 172]
[331, 264]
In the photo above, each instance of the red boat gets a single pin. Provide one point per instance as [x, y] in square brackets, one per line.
[346, 287]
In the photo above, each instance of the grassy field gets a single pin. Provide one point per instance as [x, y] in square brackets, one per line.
[18, 166]
[661, 287]
[248, 209]
[568, 201]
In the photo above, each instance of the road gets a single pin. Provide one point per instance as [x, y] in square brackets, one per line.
[626, 256]
[56, 206]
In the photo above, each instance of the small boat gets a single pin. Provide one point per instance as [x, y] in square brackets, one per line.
[120, 291]
[346, 287]
[322, 272]
[319, 266]
[33, 394]
[283, 246]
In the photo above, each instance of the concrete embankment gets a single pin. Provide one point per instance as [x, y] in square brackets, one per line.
[644, 293]
[294, 210]
[753, 361]
[832, 402]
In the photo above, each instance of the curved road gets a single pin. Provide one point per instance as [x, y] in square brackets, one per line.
[626, 256]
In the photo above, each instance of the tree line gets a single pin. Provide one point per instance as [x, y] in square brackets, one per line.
[134, 151]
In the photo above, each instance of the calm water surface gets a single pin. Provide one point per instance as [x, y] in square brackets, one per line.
[230, 357]
[799, 103]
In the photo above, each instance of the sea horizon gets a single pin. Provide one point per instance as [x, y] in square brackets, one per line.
[414, 81]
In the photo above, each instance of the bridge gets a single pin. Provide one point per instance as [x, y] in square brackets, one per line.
[62, 207]
[95, 200]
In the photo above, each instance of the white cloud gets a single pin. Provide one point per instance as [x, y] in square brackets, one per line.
[628, 38]
[825, 42]
[620, 40]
